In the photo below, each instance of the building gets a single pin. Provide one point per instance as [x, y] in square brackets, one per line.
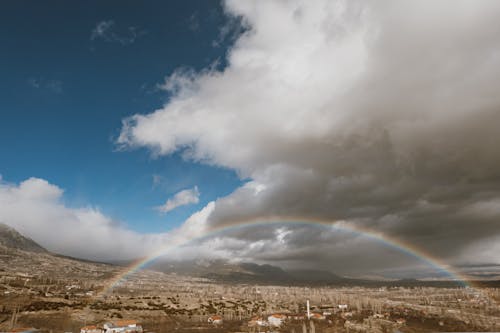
[257, 321]
[215, 320]
[91, 329]
[318, 316]
[276, 319]
[122, 326]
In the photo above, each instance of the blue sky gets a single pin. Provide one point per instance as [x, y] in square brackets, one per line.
[64, 94]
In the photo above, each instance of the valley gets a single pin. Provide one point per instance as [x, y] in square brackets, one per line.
[60, 294]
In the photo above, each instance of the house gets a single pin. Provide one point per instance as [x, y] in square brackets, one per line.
[91, 329]
[122, 326]
[342, 307]
[276, 319]
[215, 320]
[257, 321]
[318, 316]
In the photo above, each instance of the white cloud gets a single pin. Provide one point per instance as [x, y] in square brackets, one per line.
[182, 198]
[107, 31]
[35, 83]
[55, 86]
[34, 208]
[102, 29]
[347, 110]
[157, 180]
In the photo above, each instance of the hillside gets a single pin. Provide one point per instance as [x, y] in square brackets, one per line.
[12, 239]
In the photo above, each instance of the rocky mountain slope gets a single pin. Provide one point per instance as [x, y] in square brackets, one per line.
[10, 238]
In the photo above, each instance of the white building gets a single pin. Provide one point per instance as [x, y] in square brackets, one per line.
[276, 319]
[122, 326]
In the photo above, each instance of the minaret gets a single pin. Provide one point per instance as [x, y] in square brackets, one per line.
[308, 311]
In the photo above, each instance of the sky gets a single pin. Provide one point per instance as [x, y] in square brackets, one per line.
[66, 86]
[129, 125]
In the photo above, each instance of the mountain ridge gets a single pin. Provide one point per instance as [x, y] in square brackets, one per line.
[12, 239]
[15, 246]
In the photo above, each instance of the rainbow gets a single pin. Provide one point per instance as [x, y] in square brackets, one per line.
[403, 247]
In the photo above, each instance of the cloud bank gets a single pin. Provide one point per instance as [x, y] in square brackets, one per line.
[34, 208]
[381, 114]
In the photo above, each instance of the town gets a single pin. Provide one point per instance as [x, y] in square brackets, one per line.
[150, 301]
[43, 292]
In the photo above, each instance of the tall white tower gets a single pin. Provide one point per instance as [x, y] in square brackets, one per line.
[308, 311]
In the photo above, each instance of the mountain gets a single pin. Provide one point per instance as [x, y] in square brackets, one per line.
[246, 272]
[11, 239]
[20, 254]
[251, 273]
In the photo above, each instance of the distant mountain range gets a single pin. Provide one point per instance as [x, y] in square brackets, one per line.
[245, 272]
[221, 270]
[252, 273]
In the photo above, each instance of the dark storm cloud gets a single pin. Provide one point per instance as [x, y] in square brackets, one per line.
[380, 114]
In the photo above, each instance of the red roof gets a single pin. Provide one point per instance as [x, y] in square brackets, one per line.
[278, 315]
[90, 327]
[125, 322]
[216, 317]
